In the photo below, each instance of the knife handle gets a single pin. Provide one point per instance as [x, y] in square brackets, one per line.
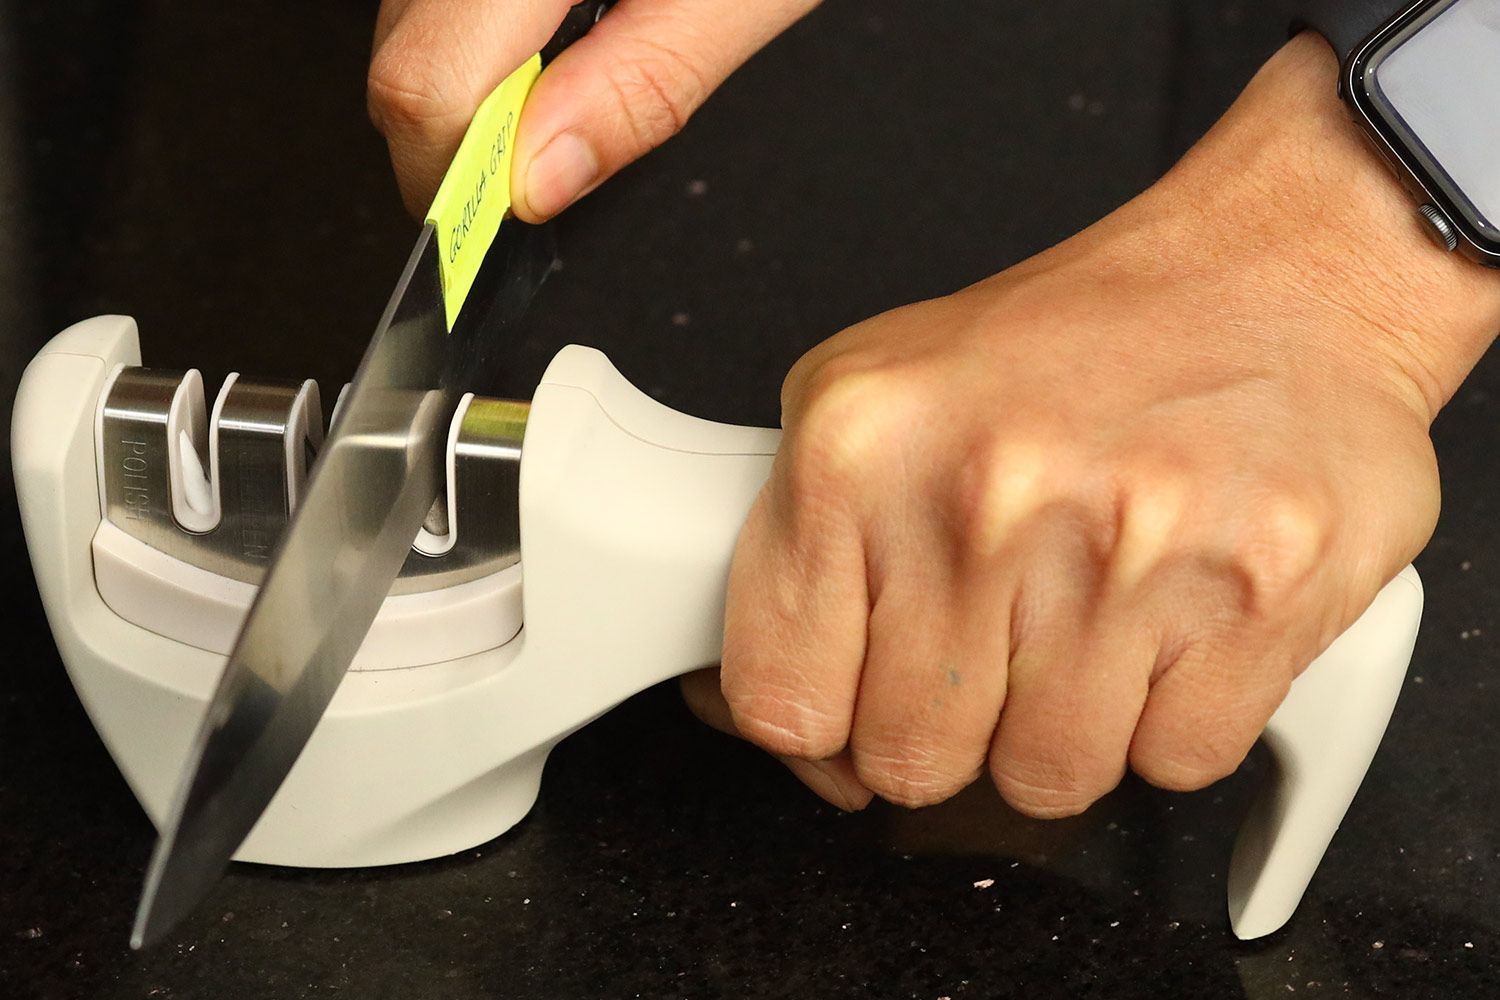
[629, 515]
[575, 24]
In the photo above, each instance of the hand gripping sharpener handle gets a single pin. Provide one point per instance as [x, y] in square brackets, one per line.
[629, 515]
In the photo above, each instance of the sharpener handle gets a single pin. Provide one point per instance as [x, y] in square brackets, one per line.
[629, 515]
[1322, 740]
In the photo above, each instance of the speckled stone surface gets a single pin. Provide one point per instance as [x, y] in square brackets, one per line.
[208, 169]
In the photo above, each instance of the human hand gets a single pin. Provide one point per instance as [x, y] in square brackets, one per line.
[622, 90]
[1100, 510]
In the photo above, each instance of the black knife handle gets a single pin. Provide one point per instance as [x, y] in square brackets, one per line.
[575, 24]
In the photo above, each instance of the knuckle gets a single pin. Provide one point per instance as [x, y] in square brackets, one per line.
[403, 93]
[844, 426]
[1181, 772]
[777, 737]
[1004, 483]
[1149, 516]
[657, 91]
[781, 724]
[1045, 796]
[909, 777]
[1283, 540]
[1184, 762]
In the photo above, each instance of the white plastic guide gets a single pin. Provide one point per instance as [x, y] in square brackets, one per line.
[629, 513]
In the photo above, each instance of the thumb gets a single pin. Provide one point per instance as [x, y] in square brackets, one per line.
[627, 87]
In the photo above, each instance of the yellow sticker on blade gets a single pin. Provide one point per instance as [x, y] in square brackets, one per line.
[475, 194]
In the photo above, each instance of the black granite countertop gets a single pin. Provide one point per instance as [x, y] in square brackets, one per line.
[208, 168]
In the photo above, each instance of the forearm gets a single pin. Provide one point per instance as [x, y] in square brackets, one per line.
[1326, 242]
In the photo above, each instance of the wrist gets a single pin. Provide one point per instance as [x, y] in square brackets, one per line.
[1285, 194]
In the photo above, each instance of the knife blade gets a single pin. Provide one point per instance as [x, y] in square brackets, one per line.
[371, 488]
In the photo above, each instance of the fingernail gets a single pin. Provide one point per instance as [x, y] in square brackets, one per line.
[833, 781]
[558, 175]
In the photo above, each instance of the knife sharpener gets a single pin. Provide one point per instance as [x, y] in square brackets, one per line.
[149, 520]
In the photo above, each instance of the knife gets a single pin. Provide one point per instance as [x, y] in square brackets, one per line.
[373, 485]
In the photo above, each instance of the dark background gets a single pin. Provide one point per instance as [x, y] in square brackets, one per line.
[209, 169]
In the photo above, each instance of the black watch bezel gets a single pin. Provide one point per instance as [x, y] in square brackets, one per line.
[1421, 174]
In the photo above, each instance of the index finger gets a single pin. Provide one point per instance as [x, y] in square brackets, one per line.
[434, 62]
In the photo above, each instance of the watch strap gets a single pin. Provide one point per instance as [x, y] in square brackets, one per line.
[1346, 23]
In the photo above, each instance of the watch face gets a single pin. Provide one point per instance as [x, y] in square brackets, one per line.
[1431, 85]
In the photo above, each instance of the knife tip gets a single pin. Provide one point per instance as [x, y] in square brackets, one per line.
[167, 897]
[145, 930]
[142, 934]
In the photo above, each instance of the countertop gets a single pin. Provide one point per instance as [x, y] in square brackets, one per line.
[209, 169]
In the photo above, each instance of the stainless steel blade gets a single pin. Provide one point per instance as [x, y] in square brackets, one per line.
[370, 489]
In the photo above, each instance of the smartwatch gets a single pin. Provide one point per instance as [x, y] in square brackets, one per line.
[1422, 80]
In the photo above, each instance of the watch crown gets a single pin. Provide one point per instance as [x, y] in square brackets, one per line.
[1438, 227]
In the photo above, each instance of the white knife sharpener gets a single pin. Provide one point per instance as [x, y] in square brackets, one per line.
[436, 738]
